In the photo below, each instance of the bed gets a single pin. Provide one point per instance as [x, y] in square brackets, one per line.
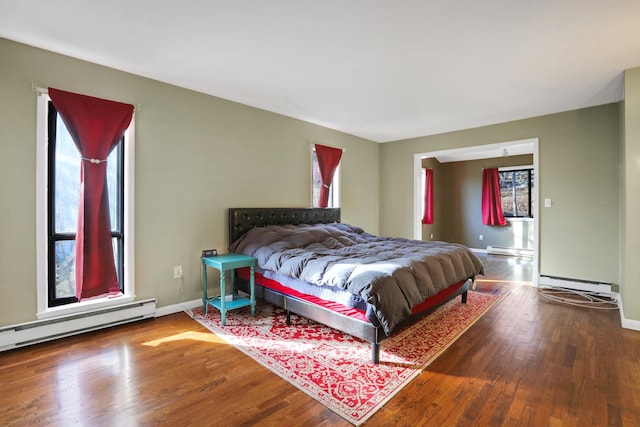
[310, 264]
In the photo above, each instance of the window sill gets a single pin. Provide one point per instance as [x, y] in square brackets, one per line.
[84, 307]
[511, 219]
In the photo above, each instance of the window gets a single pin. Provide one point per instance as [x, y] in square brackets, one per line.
[58, 189]
[316, 184]
[62, 201]
[515, 191]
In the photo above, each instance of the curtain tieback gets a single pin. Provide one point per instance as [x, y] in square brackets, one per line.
[325, 185]
[94, 161]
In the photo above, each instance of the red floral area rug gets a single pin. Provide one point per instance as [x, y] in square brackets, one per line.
[335, 368]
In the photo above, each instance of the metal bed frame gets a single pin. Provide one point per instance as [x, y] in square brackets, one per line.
[242, 220]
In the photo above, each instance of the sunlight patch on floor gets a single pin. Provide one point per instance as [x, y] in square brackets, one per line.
[189, 335]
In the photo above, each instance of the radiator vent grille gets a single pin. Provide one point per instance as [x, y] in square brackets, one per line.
[502, 250]
[599, 288]
[45, 330]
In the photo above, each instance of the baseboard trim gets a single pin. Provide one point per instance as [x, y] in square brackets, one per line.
[186, 306]
[627, 323]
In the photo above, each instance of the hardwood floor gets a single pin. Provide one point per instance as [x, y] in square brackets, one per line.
[526, 362]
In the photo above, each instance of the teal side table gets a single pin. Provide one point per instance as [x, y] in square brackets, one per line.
[223, 263]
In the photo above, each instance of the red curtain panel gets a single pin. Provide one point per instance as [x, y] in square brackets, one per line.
[96, 125]
[427, 217]
[491, 202]
[328, 161]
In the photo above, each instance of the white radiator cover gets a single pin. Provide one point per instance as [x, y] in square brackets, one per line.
[45, 330]
[503, 250]
[599, 288]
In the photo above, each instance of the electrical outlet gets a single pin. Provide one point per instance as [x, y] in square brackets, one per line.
[480, 237]
[177, 271]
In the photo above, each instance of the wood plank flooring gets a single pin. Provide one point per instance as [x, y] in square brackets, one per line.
[527, 362]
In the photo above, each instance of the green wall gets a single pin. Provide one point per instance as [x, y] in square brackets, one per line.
[630, 217]
[196, 156]
[579, 156]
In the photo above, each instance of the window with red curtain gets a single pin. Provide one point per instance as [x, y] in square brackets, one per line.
[328, 161]
[96, 126]
[491, 201]
[427, 217]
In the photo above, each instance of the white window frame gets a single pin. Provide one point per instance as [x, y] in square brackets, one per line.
[334, 194]
[43, 311]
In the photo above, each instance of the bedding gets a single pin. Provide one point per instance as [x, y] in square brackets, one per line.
[391, 275]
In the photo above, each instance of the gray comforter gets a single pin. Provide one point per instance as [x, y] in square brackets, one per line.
[390, 274]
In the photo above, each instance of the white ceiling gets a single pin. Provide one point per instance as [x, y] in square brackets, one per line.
[383, 70]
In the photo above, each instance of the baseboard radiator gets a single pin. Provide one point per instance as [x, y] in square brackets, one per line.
[599, 288]
[58, 327]
[502, 250]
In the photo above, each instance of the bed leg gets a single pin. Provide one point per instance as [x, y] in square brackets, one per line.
[464, 297]
[288, 318]
[375, 353]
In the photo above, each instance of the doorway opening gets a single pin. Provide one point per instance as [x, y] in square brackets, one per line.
[486, 151]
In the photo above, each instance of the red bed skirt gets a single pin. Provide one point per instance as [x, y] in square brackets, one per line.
[427, 304]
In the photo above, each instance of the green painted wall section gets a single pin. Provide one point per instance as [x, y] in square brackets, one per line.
[196, 156]
[579, 161]
[630, 227]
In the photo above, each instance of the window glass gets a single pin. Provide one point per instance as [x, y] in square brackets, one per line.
[316, 180]
[67, 180]
[65, 280]
[114, 185]
[515, 192]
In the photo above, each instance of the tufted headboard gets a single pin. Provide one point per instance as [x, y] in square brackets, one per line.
[242, 220]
